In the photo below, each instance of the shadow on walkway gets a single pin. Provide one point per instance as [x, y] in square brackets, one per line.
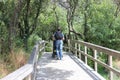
[57, 74]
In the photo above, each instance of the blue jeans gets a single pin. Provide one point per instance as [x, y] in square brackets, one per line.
[59, 47]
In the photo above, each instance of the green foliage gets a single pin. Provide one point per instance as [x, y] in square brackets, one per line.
[99, 19]
[48, 25]
[12, 61]
[18, 42]
[48, 47]
[103, 71]
[102, 24]
[32, 40]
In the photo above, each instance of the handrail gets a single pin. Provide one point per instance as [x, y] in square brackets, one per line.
[75, 46]
[29, 70]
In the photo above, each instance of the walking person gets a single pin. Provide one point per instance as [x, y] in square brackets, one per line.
[59, 37]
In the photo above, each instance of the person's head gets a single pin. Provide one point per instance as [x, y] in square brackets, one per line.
[58, 28]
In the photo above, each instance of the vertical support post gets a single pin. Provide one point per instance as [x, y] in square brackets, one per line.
[95, 63]
[79, 52]
[39, 46]
[35, 62]
[110, 64]
[69, 45]
[76, 49]
[44, 46]
[85, 53]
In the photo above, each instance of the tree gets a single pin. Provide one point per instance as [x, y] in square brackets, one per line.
[29, 19]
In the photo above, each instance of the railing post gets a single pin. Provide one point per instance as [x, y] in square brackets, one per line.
[44, 46]
[95, 63]
[35, 62]
[69, 45]
[110, 64]
[76, 49]
[85, 53]
[79, 52]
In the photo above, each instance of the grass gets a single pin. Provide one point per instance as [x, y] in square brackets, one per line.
[12, 61]
[3, 70]
[116, 65]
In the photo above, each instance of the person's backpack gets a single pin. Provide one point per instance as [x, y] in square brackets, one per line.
[58, 35]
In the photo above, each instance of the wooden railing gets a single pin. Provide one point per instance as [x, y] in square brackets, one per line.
[28, 71]
[83, 48]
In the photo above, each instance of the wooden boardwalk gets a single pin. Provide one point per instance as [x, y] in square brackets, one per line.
[69, 68]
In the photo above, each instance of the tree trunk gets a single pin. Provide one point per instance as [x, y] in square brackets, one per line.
[86, 27]
[10, 39]
[26, 43]
[68, 21]
[13, 23]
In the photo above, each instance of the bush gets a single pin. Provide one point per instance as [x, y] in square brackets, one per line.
[12, 61]
[3, 68]
[48, 47]
[32, 40]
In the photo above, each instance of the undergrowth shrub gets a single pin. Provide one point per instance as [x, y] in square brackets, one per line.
[32, 40]
[17, 59]
[48, 47]
[12, 61]
[3, 69]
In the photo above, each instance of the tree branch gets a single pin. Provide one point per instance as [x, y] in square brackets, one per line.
[79, 34]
